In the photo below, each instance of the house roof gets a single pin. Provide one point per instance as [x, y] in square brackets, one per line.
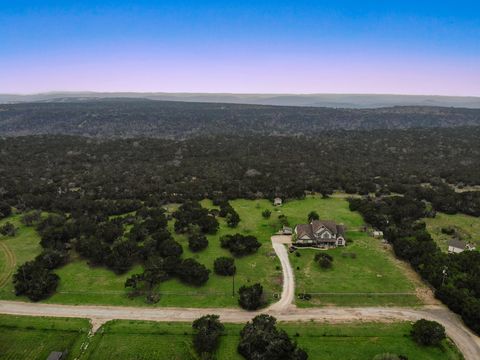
[459, 244]
[310, 229]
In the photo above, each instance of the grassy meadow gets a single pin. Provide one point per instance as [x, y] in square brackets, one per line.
[357, 341]
[373, 270]
[34, 338]
[467, 226]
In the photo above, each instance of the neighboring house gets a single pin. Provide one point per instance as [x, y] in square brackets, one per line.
[377, 234]
[458, 246]
[320, 233]
[277, 201]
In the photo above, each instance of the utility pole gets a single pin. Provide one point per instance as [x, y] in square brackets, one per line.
[444, 274]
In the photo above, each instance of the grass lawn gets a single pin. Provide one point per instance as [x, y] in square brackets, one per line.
[372, 271]
[365, 280]
[357, 341]
[34, 338]
[81, 284]
[14, 251]
[467, 226]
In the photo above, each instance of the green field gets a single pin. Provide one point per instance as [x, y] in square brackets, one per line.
[147, 340]
[373, 271]
[34, 338]
[467, 226]
[81, 284]
[15, 251]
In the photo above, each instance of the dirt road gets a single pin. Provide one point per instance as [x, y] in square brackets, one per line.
[468, 343]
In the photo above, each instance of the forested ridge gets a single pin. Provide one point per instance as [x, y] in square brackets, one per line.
[178, 120]
[42, 171]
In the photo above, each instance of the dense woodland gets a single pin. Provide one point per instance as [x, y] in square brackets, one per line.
[175, 120]
[74, 174]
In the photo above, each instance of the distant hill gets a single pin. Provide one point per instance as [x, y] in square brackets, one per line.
[178, 120]
[360, 101]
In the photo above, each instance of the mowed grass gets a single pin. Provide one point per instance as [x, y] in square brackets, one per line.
[371, 278]
[372, 271]
[143, 340]
[467, 226]
[15, 251]
[34, 338]
[82, 284]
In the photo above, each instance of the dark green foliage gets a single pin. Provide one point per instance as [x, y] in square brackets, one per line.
[266, 214]
[192, 213]
[8, 229]
[5, 209]
[34, 281]
[240, 245]
[261, 340]
[427, 332]
[208, 330]
[192, 272]
[224, 266]
[51, 259]
[313, 215]
[251, 297]
[324, 260]
[32, 217]
[197, 242]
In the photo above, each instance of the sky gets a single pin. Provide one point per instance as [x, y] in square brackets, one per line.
[394, 47]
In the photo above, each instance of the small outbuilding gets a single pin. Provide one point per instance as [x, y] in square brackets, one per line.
[277, 201]
[377, 234]
[286, 230]
[458, 246]
[57, 355]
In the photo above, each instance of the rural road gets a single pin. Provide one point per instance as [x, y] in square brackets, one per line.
[284, 310]
[468, 343]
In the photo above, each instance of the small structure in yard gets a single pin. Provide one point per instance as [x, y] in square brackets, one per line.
[277, 201]
[458, 246]
[321, 234]
[377, 234]
[286, 230]
[57, 355]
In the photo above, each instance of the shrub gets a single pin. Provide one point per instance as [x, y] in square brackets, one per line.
[34, 281]
[260, 339]
[266, 214]
[224, 266]
[197, 242]
[208, 329]
[8, 229]
[324, 260]
[5, 210]
[427, 332]
[313, 215]
[240, 245]
[192, 272]
[251, 297]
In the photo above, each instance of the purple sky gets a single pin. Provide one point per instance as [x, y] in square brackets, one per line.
[182, 46]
